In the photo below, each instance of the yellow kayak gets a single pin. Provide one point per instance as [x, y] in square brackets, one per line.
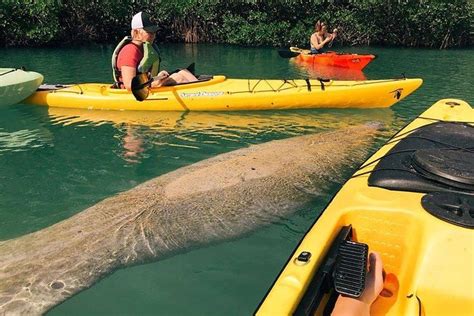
[413, 203]
[217, 93]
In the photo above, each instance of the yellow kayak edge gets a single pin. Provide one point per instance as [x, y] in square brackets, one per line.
[430, 261]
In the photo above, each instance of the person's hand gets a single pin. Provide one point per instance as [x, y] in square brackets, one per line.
[335, 30]
[159, 78]
[373, 286]
[374, 279]
[162, 75]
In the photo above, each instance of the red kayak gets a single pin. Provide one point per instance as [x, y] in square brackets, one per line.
[315, 70]
[334, 59]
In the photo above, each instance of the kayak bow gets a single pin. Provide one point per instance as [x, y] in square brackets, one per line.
[412, 203]
[17, 84]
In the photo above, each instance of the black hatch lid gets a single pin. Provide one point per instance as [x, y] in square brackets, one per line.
[457, 209]
[435, 158]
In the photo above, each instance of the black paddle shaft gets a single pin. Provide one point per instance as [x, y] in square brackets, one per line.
[286, 53]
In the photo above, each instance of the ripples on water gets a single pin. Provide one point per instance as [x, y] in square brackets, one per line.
[19, 140]
[56, 162]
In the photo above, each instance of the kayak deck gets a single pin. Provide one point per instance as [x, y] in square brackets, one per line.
[223, 94]
[428, 260]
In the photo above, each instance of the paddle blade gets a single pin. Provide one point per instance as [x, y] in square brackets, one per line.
[285, 53]
[140, 87]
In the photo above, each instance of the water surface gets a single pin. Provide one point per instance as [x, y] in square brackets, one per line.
[57, 162]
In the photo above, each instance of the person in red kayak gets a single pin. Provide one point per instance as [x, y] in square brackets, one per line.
[321, 37]
[137, 54]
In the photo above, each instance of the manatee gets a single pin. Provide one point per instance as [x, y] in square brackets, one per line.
[216, 199]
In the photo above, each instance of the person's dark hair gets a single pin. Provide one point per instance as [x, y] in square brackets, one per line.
[318, 26]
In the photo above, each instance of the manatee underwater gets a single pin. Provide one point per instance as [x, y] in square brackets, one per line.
[217, 199]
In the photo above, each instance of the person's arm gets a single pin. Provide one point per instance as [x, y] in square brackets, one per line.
[320, 42]
[314, 41]
[348, 306]
[128, 73]
[127, 61]
[332, 36]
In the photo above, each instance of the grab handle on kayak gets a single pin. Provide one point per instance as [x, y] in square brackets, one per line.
[332, 275]
[350, 272]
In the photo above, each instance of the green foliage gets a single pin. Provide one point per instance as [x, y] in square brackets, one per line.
[28, 24]
[432, 23]
[254, 29]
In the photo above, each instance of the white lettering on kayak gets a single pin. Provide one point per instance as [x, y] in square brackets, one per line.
[201, 94]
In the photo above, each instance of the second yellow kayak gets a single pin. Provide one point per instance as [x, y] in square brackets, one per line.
[412, 202]
[219, 93]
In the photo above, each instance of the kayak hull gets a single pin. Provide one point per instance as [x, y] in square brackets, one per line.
[334, 59]
[222, 94]
[322, 71]
[17, 84]
[428, 261]
[351, 61]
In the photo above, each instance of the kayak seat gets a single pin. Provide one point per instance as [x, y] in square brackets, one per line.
[200, 79]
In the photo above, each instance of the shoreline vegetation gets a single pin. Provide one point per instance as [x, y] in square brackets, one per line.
[406, 23]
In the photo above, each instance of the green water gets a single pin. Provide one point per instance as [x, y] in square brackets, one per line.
[55, 163]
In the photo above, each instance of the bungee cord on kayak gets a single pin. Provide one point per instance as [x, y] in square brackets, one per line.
[448, 147]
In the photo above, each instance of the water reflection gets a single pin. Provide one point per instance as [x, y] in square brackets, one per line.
[138, 131]
[85, 163]
[19, 140]
[132, 145]
[20, 132]
[314, 70]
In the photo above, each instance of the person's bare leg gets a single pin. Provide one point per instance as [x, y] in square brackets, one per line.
[183, 76]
